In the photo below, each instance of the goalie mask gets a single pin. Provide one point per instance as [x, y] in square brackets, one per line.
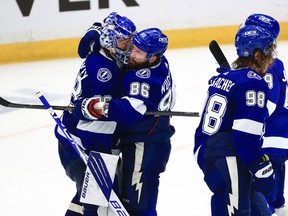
[117, 27]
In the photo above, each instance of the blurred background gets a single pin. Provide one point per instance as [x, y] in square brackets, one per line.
[36, 30]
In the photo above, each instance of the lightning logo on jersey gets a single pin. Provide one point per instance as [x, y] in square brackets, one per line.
[233, 196]
[136, 177]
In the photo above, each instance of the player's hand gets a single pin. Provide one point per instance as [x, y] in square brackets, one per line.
[95, 108]
[90, 41]
[222, 69]
[89, 108]
[264, 177]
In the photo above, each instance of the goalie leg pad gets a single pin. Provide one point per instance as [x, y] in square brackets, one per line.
[98, 181]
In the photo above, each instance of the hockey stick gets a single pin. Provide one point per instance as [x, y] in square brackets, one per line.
[218, 54]
[172, 113]
[6, 103]
[114, 203]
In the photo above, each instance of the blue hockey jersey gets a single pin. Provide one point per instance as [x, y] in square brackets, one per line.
[276, 130]
[99, 77]
[233, 117]
[146, 89]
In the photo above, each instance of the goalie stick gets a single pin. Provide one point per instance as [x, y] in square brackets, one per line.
[6, 103]
[114, 203]
[218, 54]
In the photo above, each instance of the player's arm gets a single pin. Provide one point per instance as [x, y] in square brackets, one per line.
[140, 95]
[249, 119]
[89, 43]
[131, 106]
[247, 128]
[126, 109]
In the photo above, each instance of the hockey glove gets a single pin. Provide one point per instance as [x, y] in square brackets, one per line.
[84, 109]
[264, 177]
[98, 109]
[89, 43]
[95, 108]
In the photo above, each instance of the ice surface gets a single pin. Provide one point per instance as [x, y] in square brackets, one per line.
[32, 180]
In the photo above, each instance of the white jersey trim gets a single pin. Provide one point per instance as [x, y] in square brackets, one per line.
[136, 176]
[271, 107]
[234, 178]
[104, 127]
[248, 126]
[137, 104]
[275, 142]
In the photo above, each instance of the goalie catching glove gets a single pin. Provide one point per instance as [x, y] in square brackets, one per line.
[264, 177]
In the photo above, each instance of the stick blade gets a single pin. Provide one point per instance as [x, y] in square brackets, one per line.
[4, 102]
[218, 54]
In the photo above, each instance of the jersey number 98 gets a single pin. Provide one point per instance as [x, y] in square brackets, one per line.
[216, 107]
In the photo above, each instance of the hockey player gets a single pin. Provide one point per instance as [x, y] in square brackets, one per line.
[99, 79]
[275, 143]
[228, 138]
[145, 141]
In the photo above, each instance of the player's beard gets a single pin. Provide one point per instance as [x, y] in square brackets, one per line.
[138, 65]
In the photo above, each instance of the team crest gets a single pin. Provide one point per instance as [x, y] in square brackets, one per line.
[143, 73]
[104, 75]
[252, 74]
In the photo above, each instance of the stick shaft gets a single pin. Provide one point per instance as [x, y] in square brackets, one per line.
[218, 54]
[6, 103]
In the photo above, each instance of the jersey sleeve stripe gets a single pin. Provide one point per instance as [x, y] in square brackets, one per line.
[248, 126]
[275, 142]
[271, 107]
[137, 104]
[104, 127]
